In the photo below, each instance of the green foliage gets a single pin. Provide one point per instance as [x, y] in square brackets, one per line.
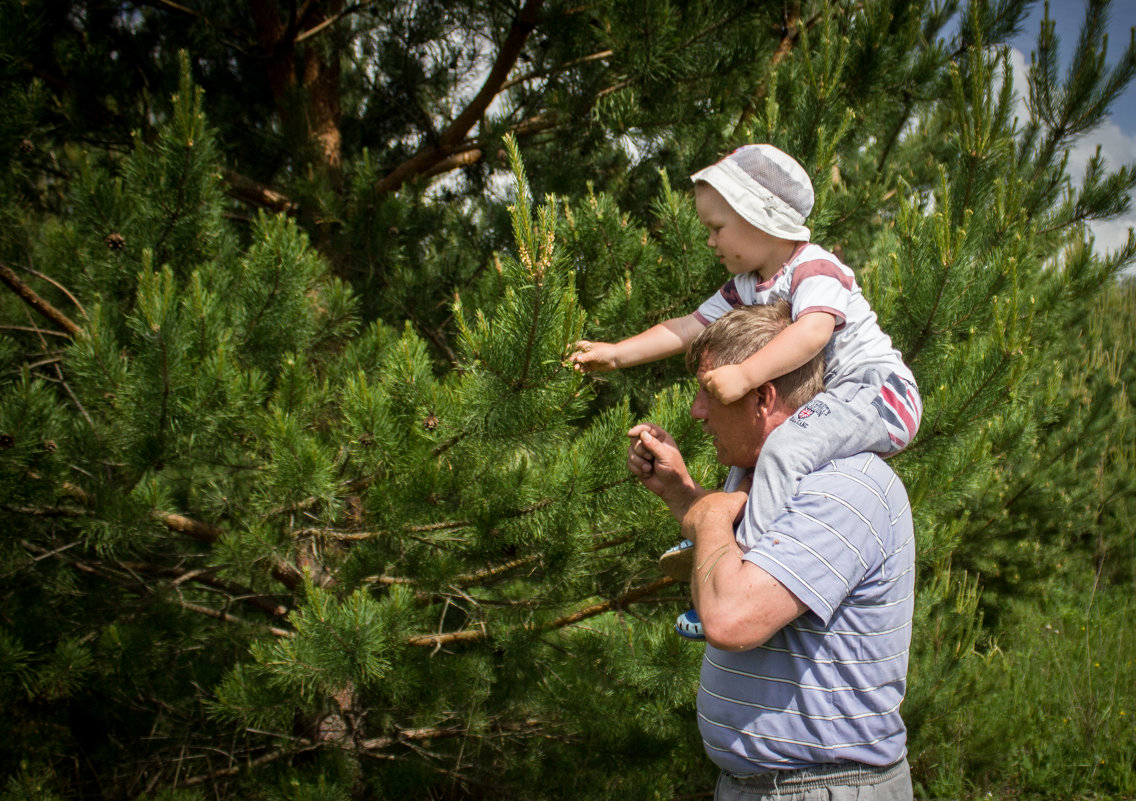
[1049, 712]
[308, 504]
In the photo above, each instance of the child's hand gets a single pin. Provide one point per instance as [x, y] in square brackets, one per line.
[594, 357]
[727, 383]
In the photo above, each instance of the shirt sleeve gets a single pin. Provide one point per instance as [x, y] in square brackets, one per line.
[822, 546]
[722, 301]
[821, 286]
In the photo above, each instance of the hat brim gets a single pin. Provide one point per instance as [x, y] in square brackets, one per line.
[756, 205]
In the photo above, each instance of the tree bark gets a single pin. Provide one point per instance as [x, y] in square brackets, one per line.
[30, 297]
[305, 69]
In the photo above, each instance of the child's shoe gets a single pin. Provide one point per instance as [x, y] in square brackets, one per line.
[677, 562]
[688, 625]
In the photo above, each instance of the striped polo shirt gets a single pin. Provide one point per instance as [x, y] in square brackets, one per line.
[828, 686]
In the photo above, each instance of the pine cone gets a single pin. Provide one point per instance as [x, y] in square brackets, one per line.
[6, 441]
[114, 241]
[50, 446]
[26, 147]
[431, 422]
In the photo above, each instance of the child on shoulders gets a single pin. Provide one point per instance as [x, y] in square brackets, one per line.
[754, 203]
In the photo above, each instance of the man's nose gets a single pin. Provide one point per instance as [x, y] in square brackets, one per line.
[698, 406]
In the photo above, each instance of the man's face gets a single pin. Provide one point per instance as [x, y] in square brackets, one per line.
[736, 427]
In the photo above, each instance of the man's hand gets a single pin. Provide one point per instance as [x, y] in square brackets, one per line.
[653, 458]
[595, 357]
[728, 383]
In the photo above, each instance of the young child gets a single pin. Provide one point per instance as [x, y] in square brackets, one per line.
[754, 203]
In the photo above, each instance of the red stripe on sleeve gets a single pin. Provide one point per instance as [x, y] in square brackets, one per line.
[840, 321]
[820, 267]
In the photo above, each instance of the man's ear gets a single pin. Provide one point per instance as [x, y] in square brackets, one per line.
[765, 398]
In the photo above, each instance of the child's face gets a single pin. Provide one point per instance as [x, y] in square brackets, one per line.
[739, 246]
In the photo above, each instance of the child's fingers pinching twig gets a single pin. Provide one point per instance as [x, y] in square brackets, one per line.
[594, 357]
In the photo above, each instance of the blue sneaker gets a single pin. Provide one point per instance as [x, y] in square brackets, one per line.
[677, 562]
[688, 625]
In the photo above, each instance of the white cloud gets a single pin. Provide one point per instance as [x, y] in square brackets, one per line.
[1117, 147]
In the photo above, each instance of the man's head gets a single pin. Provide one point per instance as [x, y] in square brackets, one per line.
[739, 429]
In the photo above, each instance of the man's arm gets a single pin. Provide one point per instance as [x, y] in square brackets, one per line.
[657, 342]
[796, 345]
[740, 605]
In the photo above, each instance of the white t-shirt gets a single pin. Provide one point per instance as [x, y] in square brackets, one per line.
[814, 280]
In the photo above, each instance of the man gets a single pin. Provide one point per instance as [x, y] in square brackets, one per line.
[807, 625]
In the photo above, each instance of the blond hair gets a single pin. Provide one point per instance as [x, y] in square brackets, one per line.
[742, 332]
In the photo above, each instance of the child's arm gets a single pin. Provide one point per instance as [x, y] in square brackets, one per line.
[657, 342]
[799, 342]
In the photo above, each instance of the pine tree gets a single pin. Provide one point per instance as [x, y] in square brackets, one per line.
[311, 505]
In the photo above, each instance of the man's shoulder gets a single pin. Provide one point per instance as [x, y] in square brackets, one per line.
[860, 497]
[864, 476]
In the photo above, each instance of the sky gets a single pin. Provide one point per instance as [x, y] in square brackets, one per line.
[1117, 136]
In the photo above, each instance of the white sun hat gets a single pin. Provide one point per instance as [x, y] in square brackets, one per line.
[767, 187]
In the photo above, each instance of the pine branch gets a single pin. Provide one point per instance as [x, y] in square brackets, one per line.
[71, 297]
[452, 638]
[615, 603]
[235, 593]
[38, 304]
[489, 573]
[534, 330]
[928, 328]
[404, 735]
[430, 156]
[527, 727]
[1003, 362]
[897, 129]
[172, 6]
[354, 487]
[464, 155]
[486, 574]
[226, 617]
[202, 532]
[45, 511]
[177, 211]
[285, 573]
[790, 34]
[27, 329]
[320, 27]
[473, 635]
[452, 524]
[372, 747]
[247, 190]
[234, 770]
[567, 65]
[141, 588]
